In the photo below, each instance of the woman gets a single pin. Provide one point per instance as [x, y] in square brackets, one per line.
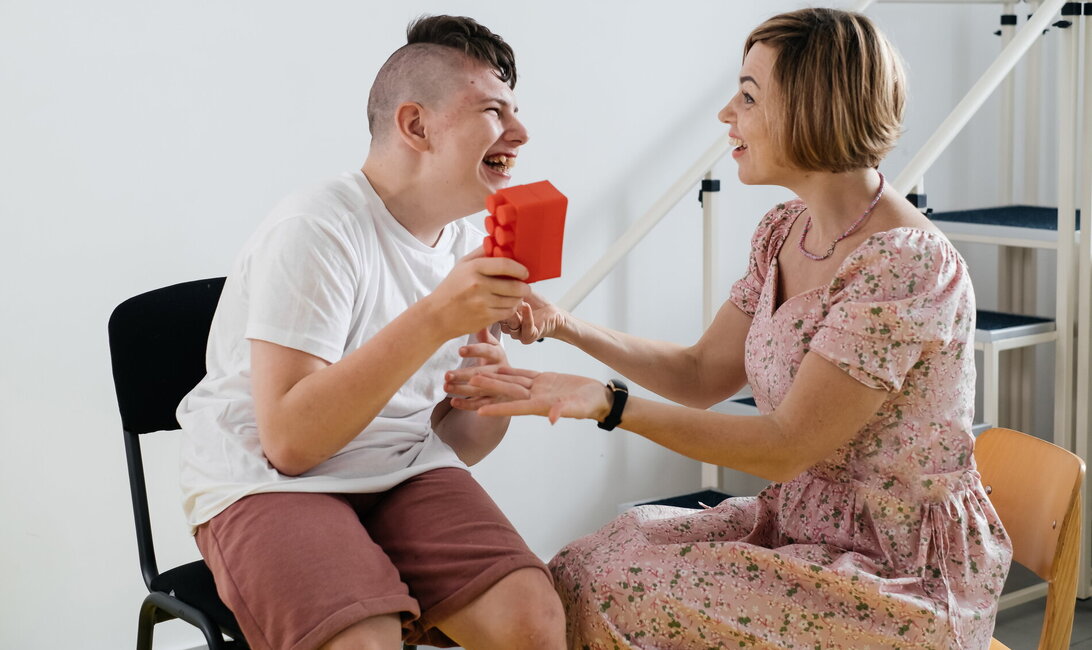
[853, 327]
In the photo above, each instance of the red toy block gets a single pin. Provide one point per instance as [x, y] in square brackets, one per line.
[527, 223]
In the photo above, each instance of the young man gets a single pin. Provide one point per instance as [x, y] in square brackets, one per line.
[323, 467]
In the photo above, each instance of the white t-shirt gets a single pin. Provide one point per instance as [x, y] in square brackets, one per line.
[324, 273]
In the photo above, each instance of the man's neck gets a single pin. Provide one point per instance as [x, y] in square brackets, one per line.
[409, 201]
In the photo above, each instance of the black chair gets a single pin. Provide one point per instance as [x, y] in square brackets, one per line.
[157, 349]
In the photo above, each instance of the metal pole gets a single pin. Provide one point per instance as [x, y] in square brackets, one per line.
[1029, 265]
[1009, 258]
[1084, 308]
[1008, 100]
[710, 473]
[1066, 267]
[1033, 71]
[977, 95]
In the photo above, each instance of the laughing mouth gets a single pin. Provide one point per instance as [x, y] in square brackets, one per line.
[737, 143]
[500, 163]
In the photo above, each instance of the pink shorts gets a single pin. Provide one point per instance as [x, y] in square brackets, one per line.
[297, 568]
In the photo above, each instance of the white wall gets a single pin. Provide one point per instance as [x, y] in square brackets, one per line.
[141, 142]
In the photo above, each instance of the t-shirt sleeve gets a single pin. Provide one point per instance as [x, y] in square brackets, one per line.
[891, 299]
[747, 290]
[301, 287]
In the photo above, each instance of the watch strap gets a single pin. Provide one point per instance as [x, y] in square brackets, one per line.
[620, 393]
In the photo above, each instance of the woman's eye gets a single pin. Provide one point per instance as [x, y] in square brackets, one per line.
[747, 99]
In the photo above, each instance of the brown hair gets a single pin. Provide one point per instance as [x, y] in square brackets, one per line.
[469, 37]
[422, 70]
[842, 84]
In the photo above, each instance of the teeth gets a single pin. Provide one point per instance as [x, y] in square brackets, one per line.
[735, 142]
[501, 161]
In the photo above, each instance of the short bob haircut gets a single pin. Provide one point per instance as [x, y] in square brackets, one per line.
[843, 88]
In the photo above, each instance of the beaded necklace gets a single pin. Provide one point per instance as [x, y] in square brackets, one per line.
[852, 229]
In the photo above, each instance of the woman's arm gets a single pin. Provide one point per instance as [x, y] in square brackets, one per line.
[824, 409]
[699, 375]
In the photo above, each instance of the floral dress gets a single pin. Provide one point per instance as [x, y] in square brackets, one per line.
[891, 542]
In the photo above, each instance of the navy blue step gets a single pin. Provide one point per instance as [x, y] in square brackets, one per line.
[1012, 216]
[995, 326]
[693, 500]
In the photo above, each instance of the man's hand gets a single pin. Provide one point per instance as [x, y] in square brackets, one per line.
[490, 357]
[478, 292]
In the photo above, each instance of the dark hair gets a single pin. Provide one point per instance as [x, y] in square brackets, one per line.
[469, 37]
[842, 85]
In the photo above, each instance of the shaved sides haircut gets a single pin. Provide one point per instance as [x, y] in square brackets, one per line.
[425, 68]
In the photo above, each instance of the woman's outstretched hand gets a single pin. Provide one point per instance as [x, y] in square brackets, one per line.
[535, 318]
[515, 391]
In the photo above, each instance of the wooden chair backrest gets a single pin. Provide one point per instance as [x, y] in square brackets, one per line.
[1035, 488]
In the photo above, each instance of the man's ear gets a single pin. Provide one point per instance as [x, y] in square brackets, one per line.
[409, 119]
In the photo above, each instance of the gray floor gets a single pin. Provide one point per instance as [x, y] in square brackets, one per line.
[1018, 627]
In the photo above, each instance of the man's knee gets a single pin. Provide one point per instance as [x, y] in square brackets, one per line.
[521, 611]
[381, 632]
[532, 609]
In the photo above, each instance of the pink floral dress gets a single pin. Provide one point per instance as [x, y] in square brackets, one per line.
[891, 542]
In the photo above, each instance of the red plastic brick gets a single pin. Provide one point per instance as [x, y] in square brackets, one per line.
[527, 224]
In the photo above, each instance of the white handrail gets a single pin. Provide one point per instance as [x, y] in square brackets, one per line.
[636, 232]
[977, 95]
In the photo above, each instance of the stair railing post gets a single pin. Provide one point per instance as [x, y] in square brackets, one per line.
[1011, 259]
[710, 193]
[1033, 72]
[1084, 307]
[1027, 267]
[1066, 294]
[1006, 141]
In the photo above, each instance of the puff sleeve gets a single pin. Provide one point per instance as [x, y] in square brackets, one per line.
[765, 242]
[899, 294]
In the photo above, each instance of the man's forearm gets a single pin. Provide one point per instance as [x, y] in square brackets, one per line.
[472, 436]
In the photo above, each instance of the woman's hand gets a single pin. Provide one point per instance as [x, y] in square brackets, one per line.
[534, 319]
[514, 391]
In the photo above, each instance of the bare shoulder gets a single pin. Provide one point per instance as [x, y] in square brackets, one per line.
[900, 213]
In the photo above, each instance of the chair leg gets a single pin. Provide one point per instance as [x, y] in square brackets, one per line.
[150, 614]
[146, 625]
[213, 636]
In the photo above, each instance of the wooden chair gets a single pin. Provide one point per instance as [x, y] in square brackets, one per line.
[1035, 487]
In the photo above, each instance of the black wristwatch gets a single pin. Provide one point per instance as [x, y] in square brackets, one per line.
[620, 392]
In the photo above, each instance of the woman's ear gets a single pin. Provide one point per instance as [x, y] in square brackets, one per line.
[409, 119]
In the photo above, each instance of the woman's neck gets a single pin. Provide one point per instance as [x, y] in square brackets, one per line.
[835, 201]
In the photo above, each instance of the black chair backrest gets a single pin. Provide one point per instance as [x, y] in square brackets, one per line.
[157, 348]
